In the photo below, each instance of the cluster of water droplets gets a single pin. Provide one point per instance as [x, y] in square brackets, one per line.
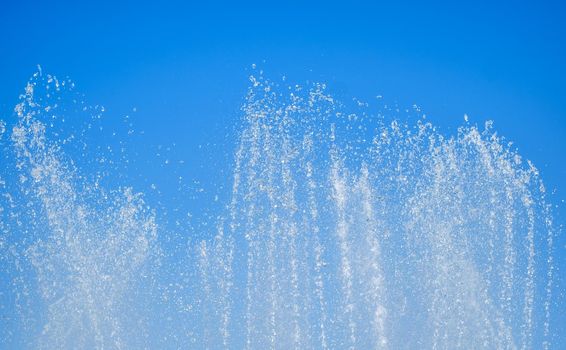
[77, 251]
[347, 230]
[344, 230]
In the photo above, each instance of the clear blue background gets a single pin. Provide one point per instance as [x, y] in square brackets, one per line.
[184, 67]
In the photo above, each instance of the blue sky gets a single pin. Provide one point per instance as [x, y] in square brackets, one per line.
[184, 66]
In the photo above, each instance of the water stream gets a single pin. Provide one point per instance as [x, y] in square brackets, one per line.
[343, 230]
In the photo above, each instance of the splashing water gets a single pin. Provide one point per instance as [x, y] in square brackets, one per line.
[86, 247]
[343, 231]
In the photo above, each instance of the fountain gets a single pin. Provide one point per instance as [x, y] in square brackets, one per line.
[344, 230]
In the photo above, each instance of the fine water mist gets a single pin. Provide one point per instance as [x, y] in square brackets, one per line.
[346, 227]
